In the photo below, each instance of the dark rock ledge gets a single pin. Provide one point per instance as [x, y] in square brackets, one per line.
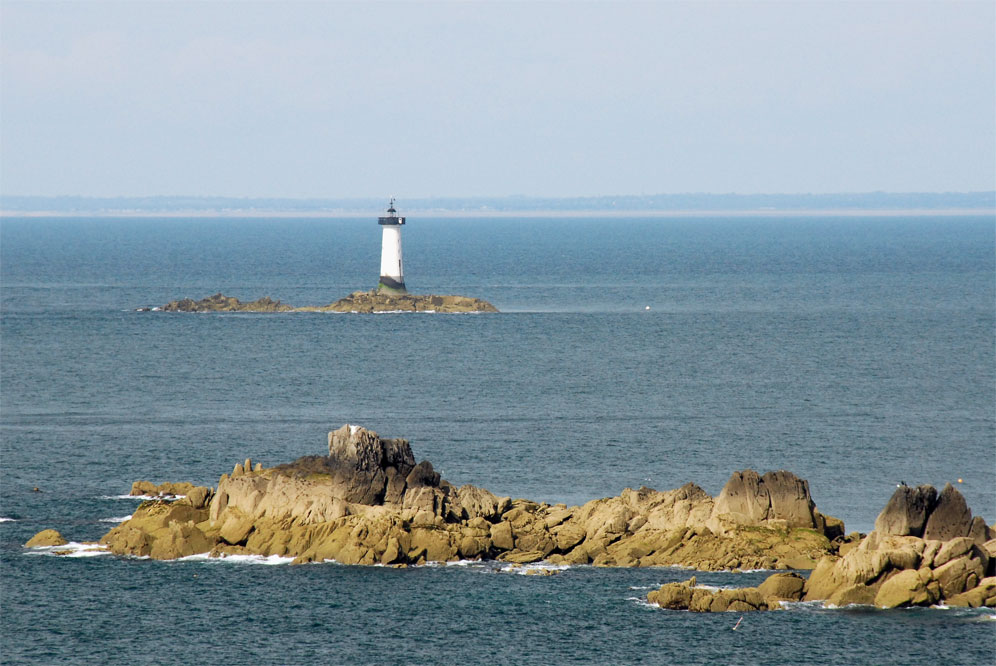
[359, 301]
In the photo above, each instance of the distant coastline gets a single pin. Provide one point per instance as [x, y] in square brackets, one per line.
[660, 205]
[530, 214]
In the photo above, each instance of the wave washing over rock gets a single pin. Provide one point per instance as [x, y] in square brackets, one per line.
[358, 301]
[368, 502]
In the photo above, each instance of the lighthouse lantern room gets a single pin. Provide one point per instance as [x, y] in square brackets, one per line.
[392, 274]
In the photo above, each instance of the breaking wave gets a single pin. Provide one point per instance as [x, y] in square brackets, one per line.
[71, 549]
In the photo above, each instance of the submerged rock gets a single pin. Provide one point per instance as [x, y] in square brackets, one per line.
[359, 301]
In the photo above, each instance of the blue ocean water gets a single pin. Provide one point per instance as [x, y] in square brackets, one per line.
[854, 351]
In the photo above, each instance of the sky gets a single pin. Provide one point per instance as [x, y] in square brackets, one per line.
[552, 99]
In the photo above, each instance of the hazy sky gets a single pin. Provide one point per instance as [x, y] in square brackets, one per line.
[340, 99]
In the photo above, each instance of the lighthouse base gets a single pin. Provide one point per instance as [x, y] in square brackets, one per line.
[389, 285]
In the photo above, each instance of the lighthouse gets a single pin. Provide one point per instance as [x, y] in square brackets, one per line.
[392, 274]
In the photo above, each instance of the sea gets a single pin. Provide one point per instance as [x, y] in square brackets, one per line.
[857, 351]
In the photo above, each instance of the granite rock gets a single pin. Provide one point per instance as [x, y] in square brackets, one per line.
[46, 538]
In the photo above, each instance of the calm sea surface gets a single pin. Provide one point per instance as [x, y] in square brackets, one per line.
[856, 352]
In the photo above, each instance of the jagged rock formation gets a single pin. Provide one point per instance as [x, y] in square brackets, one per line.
[359, 301]
[688, 595]
[369, 502]
[926, 548]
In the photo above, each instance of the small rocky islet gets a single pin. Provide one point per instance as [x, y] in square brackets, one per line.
[367, 502]
[359, 302]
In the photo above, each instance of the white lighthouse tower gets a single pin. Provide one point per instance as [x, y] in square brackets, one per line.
[392, 274]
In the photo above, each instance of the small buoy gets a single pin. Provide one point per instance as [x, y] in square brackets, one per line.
[36, 489]
[647, 308]
[959, 480]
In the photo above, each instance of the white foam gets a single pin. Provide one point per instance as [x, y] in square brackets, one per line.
[71, 549]
[238, 559]
[115, 519]
[716, 588]
[532, 568]
[643, 603]
[144, 498]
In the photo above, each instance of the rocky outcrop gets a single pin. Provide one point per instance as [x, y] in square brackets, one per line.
[378, 301]
[46, 538]
[688, 595]
[163, 530]
[359, 301]
[368, 502]
[776, 499]
[150, 489]
[221, 303]
[926, 549]
[906, 512]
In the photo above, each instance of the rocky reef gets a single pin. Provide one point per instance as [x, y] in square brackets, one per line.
[926, 549]
[369, 502]
[221, 303]
[359, 301]
[688, 595]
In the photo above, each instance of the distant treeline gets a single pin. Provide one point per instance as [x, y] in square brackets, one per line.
[635, 203]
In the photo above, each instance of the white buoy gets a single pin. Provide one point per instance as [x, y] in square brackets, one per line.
[392, 274]
[647, 308]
